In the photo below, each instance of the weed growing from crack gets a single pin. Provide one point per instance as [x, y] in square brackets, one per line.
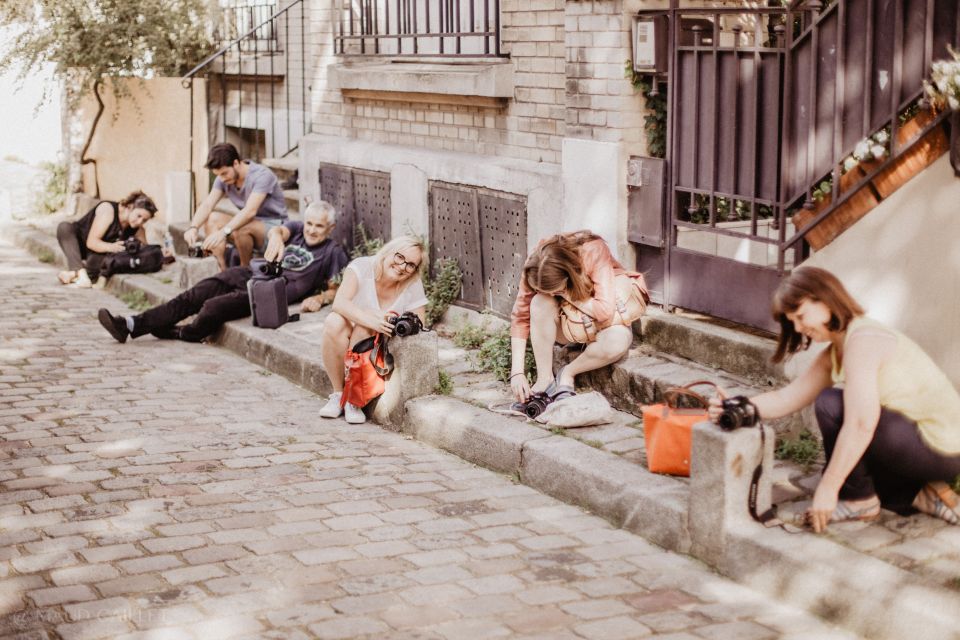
[804, 450]
[444, 385]
[136, 300]
[46, 256]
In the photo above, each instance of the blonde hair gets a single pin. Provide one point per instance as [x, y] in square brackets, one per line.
[556, 264]
[398, 245]
[322, 207]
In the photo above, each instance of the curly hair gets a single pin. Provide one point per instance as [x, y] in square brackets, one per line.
[556, 265]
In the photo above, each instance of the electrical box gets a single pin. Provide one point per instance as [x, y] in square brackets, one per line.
[645, 200]
[650, 53]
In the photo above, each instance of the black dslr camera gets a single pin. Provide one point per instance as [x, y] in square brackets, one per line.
[406, 324]
[132, 246]
[196, 251]
[738, 412]
[535, 405]
[272, 269]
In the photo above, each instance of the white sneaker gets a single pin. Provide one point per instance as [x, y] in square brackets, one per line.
[332, 408]
[354, 414]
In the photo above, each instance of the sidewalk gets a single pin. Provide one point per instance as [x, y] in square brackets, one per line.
[894, 578]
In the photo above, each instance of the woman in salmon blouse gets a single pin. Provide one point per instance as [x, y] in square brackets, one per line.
[572, 290]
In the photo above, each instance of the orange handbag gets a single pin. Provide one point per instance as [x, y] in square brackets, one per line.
[367, 363]
[667, 428]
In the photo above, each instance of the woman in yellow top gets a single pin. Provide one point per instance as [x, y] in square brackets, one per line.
[891, 433]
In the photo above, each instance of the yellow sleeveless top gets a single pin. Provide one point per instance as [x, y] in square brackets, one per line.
[911, 384]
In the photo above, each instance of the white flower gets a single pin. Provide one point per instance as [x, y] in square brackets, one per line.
[877, 151]
[861, 150]
[953, 102]
[942, 84]
[881, 137]
[849, 163]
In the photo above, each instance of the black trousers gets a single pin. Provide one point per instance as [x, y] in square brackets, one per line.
[215, 300]
[896, 464]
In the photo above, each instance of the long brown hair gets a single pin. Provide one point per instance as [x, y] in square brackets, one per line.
[556, 263]
[818, 285]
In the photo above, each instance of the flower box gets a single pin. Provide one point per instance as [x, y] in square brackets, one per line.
[843, 217]
[920, 156]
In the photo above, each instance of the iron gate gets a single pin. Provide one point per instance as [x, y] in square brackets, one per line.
[764, 105]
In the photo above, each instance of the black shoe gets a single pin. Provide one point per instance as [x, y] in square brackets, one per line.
[115, 325]
[167, 333]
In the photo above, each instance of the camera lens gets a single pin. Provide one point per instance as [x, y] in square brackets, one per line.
[534, 407]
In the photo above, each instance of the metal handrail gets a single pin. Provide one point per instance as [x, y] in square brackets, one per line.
[189, 75]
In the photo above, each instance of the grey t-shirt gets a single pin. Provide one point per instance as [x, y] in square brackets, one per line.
[259, 180]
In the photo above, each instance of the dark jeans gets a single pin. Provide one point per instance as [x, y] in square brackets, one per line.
[215, 300]
[75, 249]
[896, 464]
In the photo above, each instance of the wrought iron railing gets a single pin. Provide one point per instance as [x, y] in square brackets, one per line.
[421, 28]
[248, 17]
[857, 69]
[257, 97]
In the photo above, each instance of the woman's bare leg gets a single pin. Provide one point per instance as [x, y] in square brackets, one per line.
[611, 344]
[544, 328]
[334, 345]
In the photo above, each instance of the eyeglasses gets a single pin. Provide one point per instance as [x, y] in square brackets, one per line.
[400, 260]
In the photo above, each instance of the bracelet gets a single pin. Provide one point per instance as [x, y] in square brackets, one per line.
[515, 375]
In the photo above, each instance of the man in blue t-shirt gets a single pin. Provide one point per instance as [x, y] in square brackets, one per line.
[310, 260]
[254, 189]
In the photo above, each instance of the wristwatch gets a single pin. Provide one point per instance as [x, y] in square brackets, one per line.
[227, 231]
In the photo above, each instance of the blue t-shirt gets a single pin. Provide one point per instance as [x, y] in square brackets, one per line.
[306, 268]
[259, 180]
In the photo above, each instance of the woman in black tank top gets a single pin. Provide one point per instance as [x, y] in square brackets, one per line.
[101, 231]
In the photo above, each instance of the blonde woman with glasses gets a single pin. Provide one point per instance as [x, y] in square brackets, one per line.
[374, 289]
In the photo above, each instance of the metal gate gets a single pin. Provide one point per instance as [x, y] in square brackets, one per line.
[486, 232]
[360, 197]
[764, 105]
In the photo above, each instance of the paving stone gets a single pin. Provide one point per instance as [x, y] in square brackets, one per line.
[348, 627]
[616, 628]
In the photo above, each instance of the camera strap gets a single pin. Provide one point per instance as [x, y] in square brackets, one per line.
[769, 517]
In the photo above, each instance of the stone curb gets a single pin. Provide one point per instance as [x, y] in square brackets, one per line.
[846, 587]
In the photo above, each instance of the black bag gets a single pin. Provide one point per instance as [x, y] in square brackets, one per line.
[138, 258]
[268, 296]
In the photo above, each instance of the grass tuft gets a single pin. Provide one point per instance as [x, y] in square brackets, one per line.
[804, 450]
[445, 385]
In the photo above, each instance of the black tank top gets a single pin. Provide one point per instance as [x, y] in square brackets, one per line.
[114, 232]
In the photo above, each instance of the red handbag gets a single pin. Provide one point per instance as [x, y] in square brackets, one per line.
[367, 363]
[668, 427]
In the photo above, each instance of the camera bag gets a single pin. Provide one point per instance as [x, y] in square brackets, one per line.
[268, 299]
[148, 258]
[667, 428]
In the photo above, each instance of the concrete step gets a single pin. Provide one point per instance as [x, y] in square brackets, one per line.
[643, 376]
[292, 198]
[283, 167]
[700, 339]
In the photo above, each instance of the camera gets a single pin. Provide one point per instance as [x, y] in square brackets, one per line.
[196, 251]
[406, 324]
[132, 245]
[271, 269]
[535, 405]
[738, 412]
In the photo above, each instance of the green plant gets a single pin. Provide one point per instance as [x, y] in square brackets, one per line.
[655, 122]
[363, 244]
[136, 300]
[442, 288]
[804, 450]
[444, 385]
[471, 336]
[53, 193]
[558, 431]
[46, 256]
[494, 355]
[956, 484]
[954, 583]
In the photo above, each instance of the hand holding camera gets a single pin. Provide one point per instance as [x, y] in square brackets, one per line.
[405, 324]
[732, 413]
[196, 251]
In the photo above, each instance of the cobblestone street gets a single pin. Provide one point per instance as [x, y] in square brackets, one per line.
[166, 490]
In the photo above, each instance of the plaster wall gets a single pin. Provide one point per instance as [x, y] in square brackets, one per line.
[902, 261]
